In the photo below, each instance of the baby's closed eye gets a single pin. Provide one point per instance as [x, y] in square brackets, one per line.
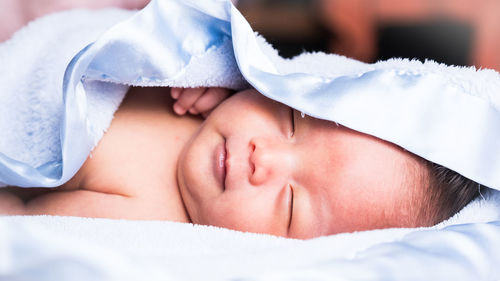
[290, 208]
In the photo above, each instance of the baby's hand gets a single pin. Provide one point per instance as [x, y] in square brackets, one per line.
[197, 100]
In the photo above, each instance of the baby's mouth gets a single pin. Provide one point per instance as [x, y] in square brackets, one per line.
[220, 163]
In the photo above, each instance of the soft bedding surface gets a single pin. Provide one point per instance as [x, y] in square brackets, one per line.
[70, 248]
[61, 248]
[424, 107]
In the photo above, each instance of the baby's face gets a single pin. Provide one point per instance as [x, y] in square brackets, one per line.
[256, 165]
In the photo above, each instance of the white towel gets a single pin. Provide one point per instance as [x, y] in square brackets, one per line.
[59, 248]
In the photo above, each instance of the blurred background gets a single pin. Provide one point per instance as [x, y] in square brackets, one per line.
[458, 32]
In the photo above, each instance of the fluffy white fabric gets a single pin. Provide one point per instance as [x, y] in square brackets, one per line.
[63, 248]
[104, 249]
[32, 69]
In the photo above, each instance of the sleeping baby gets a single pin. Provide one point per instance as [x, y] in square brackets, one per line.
[252, 165]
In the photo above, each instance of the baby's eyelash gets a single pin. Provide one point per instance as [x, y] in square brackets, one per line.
[292, 132]
[291, 208]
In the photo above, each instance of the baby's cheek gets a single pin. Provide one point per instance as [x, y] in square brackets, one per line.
[228, 217]
[244, 215]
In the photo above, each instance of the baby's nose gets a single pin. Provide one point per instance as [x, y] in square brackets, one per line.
[270, 160]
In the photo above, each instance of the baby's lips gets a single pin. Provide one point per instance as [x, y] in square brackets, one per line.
[220, 164]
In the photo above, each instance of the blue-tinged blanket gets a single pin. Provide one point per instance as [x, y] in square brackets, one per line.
[56, 102]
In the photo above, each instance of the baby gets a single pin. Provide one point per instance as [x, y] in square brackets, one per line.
[253, 165]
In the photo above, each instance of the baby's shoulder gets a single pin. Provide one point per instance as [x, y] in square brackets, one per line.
[141, 146]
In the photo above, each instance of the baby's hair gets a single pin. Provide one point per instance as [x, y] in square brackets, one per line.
[447, 193]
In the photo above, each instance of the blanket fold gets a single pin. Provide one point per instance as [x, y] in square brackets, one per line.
[32, 69]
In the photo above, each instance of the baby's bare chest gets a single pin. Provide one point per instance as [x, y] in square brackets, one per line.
[137, 157]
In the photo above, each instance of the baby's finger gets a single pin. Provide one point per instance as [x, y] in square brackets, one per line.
[175, 93]
[186, 100]
[193, 111]
[210, 99]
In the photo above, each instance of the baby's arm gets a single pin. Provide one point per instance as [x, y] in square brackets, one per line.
[10, 204]
[80, 203]
[198, 100]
